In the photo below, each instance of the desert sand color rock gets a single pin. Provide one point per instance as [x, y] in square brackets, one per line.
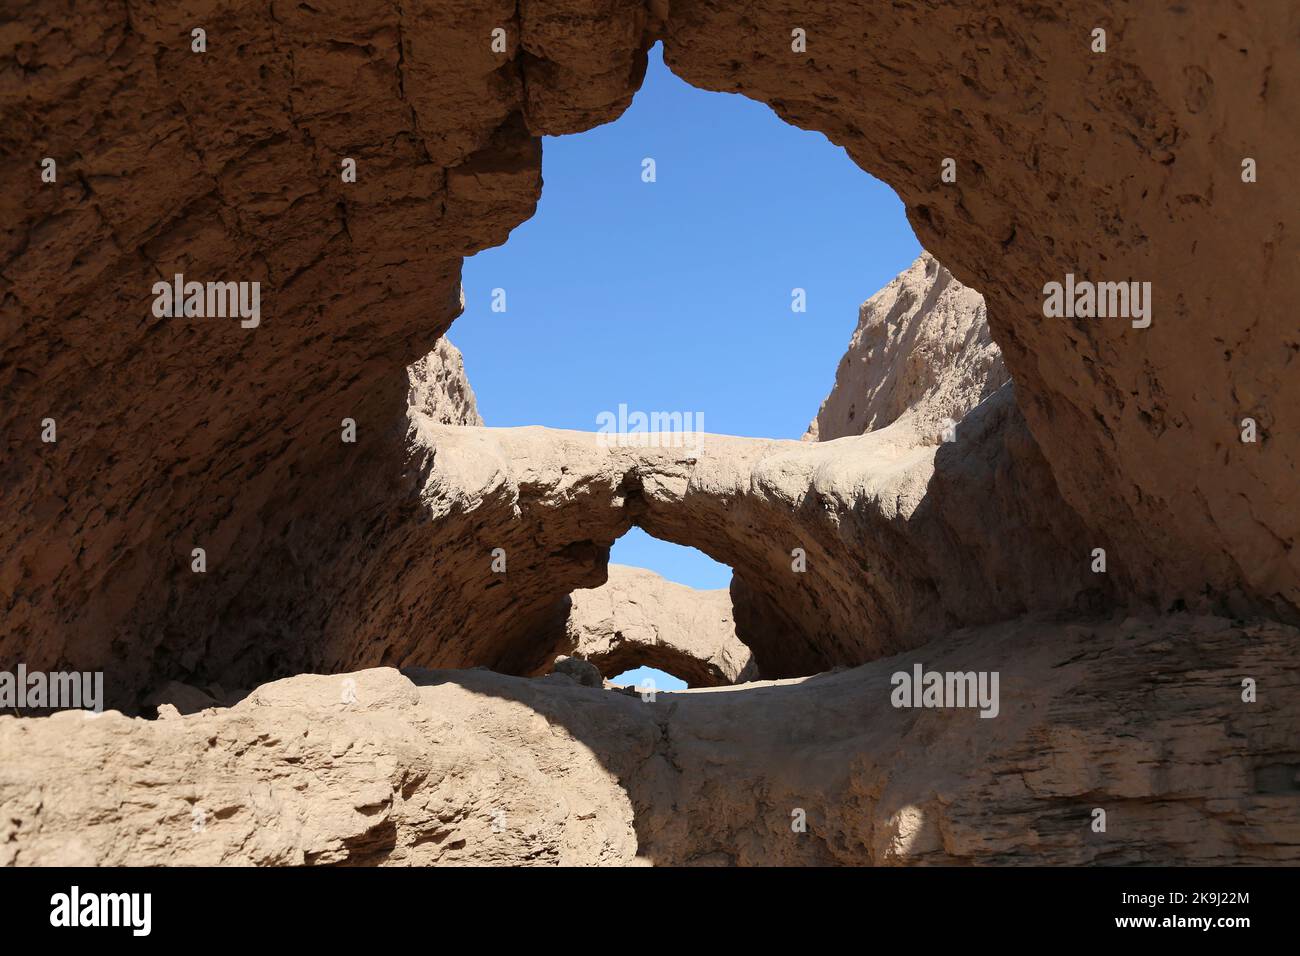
[470, 766]
[922, 350]
[1117, 167]
[333, 563]
[639, 619]
[440, 389]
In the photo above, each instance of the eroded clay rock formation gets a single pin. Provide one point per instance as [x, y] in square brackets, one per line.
[439, 388]
[900, 540]
[899, 537]
[225, 166]
[319, 770]
[921, 349]
[842, 551]
[1144, 719]
[1125, 165]
[197, 433]
[639, 619]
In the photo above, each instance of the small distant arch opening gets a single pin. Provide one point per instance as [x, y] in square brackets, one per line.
[664, 614]
[649, 678]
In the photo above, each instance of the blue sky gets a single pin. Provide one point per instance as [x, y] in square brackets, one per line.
[676, 295]
[662, 680]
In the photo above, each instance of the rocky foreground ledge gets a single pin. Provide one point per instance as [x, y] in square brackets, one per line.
[454, 767]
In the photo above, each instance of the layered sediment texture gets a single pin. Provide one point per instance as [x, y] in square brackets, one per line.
[842, 551]
[639, 619]
[1143, 719]
[1123, 165]
[324, 554]
[921, 352]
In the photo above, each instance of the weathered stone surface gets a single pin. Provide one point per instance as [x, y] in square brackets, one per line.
[1123, 165]
[579, 670]
[639, 619]
[922, 350]
[362, 768]
[225, 165]
[901, 539]
[1143, 719]
[439, 388]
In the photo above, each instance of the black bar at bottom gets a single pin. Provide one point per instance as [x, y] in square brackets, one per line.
[335, 906]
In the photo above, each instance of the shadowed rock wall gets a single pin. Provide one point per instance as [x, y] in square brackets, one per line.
[472, 767]
[1123, 165]
[225, 165]
[900, 540]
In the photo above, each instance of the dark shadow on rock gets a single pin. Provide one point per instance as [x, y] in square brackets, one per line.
[1103, 715]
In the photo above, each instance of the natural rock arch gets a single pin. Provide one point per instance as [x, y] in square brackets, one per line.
[172, 434]
[639, 619]
[902, 541]
[225, 165]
